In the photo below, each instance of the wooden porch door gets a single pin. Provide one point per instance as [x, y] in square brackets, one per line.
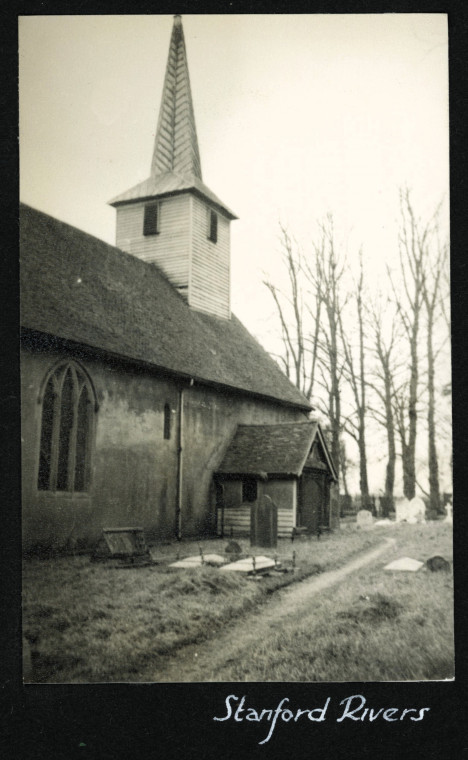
[313, 500]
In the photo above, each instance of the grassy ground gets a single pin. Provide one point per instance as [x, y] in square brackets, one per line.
[378, 626]
[89, 622]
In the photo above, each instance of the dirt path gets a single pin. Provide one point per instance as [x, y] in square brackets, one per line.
[207, 660]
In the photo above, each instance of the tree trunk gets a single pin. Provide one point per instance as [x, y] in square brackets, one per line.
[434, 488]
[363, 481]
[409, 463]
[391, 462]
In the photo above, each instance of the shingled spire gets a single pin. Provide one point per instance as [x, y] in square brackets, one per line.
[173, 219]
[176, 144]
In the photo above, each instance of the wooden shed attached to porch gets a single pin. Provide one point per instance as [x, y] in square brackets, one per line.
[289, 462]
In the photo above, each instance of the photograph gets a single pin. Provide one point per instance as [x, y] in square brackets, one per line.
[235, 352]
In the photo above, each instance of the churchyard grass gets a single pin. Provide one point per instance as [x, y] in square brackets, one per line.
[92, 622]
[376, 626]
[88, 621]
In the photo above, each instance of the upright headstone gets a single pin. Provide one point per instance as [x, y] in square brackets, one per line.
[401, 509]
[264, 523]
[449, 510]
[364, 519]
[416, 510]
[378, 507]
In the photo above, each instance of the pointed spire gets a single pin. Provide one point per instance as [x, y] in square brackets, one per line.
[176, 144]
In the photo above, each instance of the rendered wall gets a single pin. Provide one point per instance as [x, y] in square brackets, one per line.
[132, 465]
[210, 420]
[133, 468]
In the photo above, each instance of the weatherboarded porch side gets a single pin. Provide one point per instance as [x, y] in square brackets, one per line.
[236, 514]
[288, 462]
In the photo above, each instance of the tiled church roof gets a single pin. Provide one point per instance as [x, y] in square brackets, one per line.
[81, 289]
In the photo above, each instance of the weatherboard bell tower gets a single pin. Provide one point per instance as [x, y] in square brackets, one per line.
[172, 219]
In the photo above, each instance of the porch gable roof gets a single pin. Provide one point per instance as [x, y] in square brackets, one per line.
[272, 449]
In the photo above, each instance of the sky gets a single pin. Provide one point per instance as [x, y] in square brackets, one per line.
[296, 115]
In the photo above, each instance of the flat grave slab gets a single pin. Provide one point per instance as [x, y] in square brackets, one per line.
[406, 564]
[247, 566]
[196, 561]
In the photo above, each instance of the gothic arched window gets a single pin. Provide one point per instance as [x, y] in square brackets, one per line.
[68, 407]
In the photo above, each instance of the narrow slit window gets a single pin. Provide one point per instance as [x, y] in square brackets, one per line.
[151, 219]
[213, 226]
[167, 421]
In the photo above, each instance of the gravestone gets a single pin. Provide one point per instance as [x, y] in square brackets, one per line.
[364, 519]
[127, 544]
[197, 561]
[401, 510]
[449, 510]
[437, 563]
[250, 565]
[264, 523]
[416, 510]
[378, 507]
[405, 564]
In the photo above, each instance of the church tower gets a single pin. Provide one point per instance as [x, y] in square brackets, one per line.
[172, 218]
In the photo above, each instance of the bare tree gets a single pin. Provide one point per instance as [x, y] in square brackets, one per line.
[355, 372]
[422, 273]
[435, 270]
[300, 323]
[413, 250]
[332, 367]
[344, 465]
[326, 279]
[384, 383]
[309, 314]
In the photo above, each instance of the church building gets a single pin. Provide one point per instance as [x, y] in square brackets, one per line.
[145, 402]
